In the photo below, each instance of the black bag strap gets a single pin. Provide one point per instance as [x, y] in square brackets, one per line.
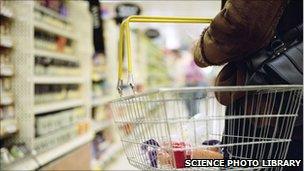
[283, 42]
[277, 45]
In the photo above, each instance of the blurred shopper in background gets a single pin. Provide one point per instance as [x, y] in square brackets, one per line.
[237, 33]
[194, 78]
[177, 63]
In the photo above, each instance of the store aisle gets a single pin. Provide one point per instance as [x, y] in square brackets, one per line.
[120, 163]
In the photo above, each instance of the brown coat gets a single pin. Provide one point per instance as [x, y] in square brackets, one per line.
[241, 28]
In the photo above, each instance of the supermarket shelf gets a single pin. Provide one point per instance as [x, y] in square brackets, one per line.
[8, 135]
[51, 29]
[58, 151]
[110, 153]
[101, 125]
[26, 163]
[6, 99]
[51, 13]
[29, 163]
[26, 78]
[49, 107]
[56, 55]
[57, 80]
[98, 77]
[6, 70]
[6, 41]
[102, 100]
[6, 12]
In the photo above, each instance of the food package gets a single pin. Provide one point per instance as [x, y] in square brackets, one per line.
[213, 143]
[175, 157]
[164, 158]
[209, 152]
[150, 149]
[174, 154]
[201, 153]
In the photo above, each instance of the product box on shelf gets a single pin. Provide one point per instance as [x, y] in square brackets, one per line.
[44, 60]
[51, 93]
[54, 139]
[8, 126]
[52, 42]
[98, 113]
[13, 153]
[5, 33]
[6, 91]
[55, 121]
[55, 67]
[7, 112]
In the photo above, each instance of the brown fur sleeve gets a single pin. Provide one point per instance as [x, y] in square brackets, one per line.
[242, 27]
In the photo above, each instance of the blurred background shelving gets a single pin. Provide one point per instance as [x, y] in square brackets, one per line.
[55, 90]
[9, 126]
[46, 85]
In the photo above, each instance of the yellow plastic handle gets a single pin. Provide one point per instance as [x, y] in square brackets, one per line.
[125, 38]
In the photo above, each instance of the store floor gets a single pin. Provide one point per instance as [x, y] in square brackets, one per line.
[121, 163]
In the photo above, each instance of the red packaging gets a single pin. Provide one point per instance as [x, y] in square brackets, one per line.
[180, 154]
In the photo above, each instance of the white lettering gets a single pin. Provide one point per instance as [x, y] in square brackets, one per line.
[241, 163]
[281, 163]
[187, 163]
[229, 162]
[204, 163]
[298, 162]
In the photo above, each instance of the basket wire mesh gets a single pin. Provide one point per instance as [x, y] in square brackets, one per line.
[162, 128]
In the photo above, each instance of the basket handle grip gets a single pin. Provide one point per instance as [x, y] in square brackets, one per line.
[125, 40]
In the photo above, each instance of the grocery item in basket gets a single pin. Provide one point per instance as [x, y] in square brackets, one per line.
[179, 153]
[213, 142]
[174, 154]
[150, 149]
[201, 153]
[209, 152]
[164, 157]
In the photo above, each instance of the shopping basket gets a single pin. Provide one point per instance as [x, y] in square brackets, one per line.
[161, 129]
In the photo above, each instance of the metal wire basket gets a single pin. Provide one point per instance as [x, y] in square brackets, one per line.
[161, 129]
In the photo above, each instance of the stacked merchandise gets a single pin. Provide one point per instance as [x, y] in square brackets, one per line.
[51, 90]
[55, 58]
[104, 145]
[44, 93]
[50, 13]
[56, 67]
[99, 77]
[100, 114]
[47, 93]
[9, 150]
[48, 124]
[103, 140]
[101, 144]
[7, 116]
[157, 72]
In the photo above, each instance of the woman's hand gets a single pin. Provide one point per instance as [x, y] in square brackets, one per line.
[197, 54]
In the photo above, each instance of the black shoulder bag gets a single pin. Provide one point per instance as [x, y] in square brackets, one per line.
[281, 62]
